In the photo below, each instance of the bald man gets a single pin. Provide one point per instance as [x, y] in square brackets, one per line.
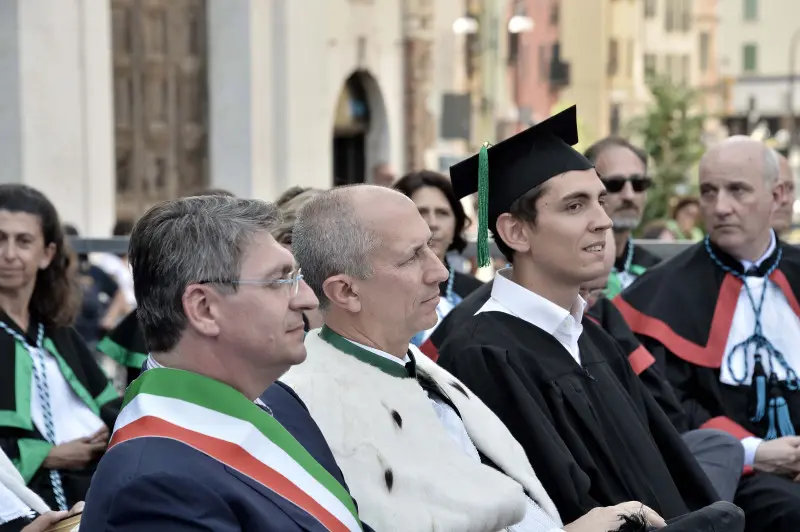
[722, 321]
[782, 217]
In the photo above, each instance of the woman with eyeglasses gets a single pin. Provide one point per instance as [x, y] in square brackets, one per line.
[56, 404]
[437, 203]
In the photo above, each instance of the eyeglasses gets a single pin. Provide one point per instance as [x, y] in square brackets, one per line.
[615, 183]
[292, 281]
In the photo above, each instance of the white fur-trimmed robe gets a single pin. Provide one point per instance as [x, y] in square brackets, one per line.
[384, 431]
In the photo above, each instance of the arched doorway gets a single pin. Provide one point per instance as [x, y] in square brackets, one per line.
[360, 131]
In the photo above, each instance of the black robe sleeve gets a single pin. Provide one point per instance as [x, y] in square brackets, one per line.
[495, 378]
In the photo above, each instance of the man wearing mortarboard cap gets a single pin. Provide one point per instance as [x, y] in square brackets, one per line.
[565, 390]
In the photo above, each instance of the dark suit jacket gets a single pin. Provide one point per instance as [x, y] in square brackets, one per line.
[160, 485]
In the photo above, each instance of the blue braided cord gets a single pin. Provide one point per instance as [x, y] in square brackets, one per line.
[37, 358]
[758, 342]
[757, 339]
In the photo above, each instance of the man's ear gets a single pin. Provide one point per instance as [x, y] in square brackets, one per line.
[779, 193]
[201, 309]
[513, 232]
[342, 291]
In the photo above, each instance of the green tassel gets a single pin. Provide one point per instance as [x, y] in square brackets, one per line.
[483, 207]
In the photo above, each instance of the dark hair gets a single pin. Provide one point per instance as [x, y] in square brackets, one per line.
[410, 183]
[70, 230]
[682, 203]
[55, 295]
[594, 151]
[523, 208]
[123, 228]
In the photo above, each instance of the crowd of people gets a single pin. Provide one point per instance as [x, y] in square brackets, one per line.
[324, 363]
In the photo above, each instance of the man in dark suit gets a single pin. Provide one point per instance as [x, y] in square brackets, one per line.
[199, 444]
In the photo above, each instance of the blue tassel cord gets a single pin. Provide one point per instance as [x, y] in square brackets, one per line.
[779, 421]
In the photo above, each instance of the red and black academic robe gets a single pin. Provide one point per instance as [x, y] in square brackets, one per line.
[682, 311]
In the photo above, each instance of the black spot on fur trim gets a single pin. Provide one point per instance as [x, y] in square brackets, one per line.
[397, 418]
[388, 476]
[460, 388]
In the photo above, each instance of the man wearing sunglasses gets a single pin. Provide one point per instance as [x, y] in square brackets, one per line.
[623, 169]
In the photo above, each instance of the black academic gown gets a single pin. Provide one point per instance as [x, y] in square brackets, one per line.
[126, 345]
[594, 434]
[19, 437]
[643, 363]
[682, 312]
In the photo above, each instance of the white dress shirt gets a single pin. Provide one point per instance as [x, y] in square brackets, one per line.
[780, 325]
[536, 520]
[564, 325]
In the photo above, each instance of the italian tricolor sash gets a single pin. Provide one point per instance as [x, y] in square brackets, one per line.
[220, 422]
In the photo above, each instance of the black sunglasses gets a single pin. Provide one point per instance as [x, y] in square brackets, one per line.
[615, 184]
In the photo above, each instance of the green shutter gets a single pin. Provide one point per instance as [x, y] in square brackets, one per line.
[749, 58]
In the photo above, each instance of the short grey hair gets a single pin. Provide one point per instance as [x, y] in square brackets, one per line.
[329, 239]
[772, 167]
[185, 241]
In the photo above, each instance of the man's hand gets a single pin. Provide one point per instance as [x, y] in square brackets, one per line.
[779, 457]
[609, 518]
[45, 521]
[77, 454]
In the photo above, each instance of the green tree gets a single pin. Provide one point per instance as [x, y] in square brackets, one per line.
[671, 133]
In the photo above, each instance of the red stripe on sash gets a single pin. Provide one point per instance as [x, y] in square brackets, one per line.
[234, 456]
[641, 359]
[708, 356]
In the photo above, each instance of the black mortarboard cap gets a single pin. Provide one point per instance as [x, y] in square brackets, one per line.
[517, 165]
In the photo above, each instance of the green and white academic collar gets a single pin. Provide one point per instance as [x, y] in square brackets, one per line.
[409, 371]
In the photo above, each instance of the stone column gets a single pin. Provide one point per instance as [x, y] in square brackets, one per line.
[418, 55]
[244, 144]
[56, 112]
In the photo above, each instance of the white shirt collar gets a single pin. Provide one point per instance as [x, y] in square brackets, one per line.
[152, 363]
[380, 353]
[746, 264]
[532, 307]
